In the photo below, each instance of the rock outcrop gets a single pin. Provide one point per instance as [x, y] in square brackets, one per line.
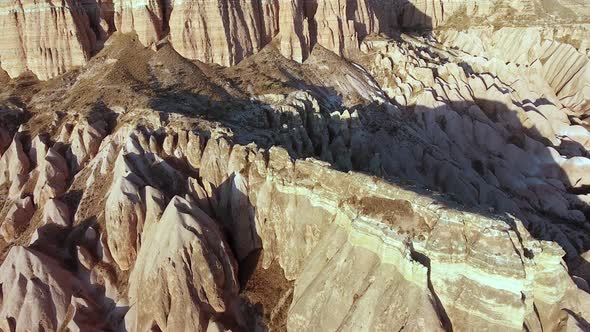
[188, 265]
[39, 294]
[14, 167]
[124, 218]
[49, 39]
[223, 32]
[85, 140]
[379, 239]
[565, 68]
[17, 218]
[43, 37]
[431, 184]
[147, 18]
[52, 178]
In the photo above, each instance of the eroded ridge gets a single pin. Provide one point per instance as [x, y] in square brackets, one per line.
[434, 181]
[173, 211]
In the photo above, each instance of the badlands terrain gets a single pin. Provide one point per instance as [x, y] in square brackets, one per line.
[294, 165]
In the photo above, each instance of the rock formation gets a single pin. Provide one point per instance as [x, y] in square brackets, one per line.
[144, 17]
[45, 38]
[222, 32]
[565, 68]
[17, 218]
[226, 32]
[187, 255]
[385, 180]
[378, 238]
[39, 294]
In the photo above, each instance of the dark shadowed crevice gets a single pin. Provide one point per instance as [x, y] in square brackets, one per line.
[444, 317]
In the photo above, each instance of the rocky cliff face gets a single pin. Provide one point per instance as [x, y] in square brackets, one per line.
[564, 67]
[44, 38]
[377, 240]
[49, 39]
[147, 18]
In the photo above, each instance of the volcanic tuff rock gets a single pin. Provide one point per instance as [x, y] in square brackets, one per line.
[379, 238]
[565, 68]
[144, 17]
[223, 32]
[49, 39]
[45, 38]
[421, 181]
[45, 296]
[191, 267]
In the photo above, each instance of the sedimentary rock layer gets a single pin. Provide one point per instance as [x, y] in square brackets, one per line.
[45, 38]
[420, 188]
[49, 39]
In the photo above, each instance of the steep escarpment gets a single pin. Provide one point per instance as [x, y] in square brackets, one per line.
[48, 39]
[44, 38]
[147, 18]
[222, 33]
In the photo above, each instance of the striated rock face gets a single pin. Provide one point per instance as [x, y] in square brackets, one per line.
[369, 284]
[49, 39]
[52, 177]
[45, 296]
[147, 18]
[389, 249]
[14, 163]
[565, 68]
[45, 38]
[222, 32]
[225, 32]
[84, 143]
[124, 220]
[187, 265]
[17, 218]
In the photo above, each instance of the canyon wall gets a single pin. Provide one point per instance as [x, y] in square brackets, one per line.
[48, 38]
[44, 38]
[154, 207]
[145, 17]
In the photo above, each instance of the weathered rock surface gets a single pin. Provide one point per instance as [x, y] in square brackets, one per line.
[124, 220]
[186, 264]
[17, 218]
[383, 242]
[85, 140]
[45, 38]
[419, 187]
[144, 17]
[379, 239]
[14, 163]
[52, 178]
[223, 32]
[39, 294]
[565, 68]
[49, 39]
